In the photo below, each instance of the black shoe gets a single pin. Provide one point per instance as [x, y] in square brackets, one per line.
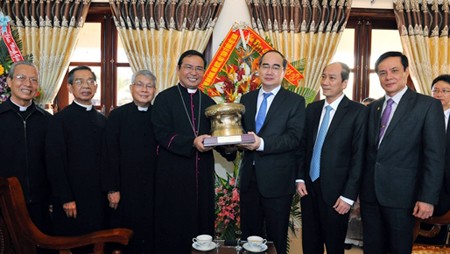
[348, 246]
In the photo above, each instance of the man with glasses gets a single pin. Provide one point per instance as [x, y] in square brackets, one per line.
[184, 187]
[74, 154]
[129, 165]
[276, 118]
[24, 125]
[440, 89]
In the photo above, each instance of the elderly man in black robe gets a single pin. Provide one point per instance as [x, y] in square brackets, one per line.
[184, 202]
[130, 150]
[74, 143]
[24, 125]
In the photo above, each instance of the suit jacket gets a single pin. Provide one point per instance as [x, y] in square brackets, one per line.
[275, 167]
[342, 157]
[446, 186]
[444, 198]
[408, 165]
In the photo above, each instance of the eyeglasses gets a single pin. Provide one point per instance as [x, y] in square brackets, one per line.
[190, 68]
[141, 85]
[267, 67]
[436, 91]
[80, 82]
[22, 78]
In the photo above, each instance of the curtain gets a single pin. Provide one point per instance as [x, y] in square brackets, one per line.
[155, 32]
[423, 27]
[303, 30]
[48, 31]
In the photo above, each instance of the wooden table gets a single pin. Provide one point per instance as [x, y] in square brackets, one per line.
[232, 250]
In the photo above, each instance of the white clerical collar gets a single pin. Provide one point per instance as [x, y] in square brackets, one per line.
[142, 108]
[87, 107]
[190, 90]
[21, 108]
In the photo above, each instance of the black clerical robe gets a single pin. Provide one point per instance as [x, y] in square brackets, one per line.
[22, 148]
[184, 204]
[73, 149]
[130, 161]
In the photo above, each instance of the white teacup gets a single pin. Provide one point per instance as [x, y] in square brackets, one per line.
[203, 241]
[256, 242]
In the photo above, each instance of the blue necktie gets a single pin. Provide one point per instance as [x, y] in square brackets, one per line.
[315, 162]
[262, 112]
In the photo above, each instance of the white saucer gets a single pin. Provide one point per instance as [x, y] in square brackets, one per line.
[199, 247]
[248, 247]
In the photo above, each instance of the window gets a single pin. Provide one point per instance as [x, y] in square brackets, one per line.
[369, 33]
[99, 48]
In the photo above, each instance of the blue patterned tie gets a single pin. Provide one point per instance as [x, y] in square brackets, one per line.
[315, 162]
[262, 112]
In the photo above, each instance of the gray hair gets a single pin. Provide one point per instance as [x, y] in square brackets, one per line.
[13, 67]
[145, 73]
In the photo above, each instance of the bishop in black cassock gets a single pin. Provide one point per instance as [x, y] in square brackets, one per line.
[73, 156]
[130, 162]
[184, 202]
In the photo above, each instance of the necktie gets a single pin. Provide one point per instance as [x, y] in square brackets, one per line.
[315, 162]
[385, 118]
[262, 112]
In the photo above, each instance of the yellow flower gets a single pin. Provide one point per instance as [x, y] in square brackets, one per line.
[2, 70]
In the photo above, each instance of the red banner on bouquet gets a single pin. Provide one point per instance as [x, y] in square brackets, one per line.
[252, 40]
[10, 43]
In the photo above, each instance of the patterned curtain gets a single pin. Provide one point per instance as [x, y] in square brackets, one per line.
[49, 32]
[155, 32]
[303, 30]
[423, 27]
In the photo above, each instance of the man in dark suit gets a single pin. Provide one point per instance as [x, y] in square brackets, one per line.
[328, 195]
[268, 171]
[405, 160]
[440, 89]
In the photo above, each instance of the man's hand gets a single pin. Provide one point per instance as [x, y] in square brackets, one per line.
[423, 210]
[198, 143]
[71, 209]
[301, 189]
[341, 206]
[114, 199]
[252, 146]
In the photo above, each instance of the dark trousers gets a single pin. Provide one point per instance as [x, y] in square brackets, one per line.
[386, 229]
[265, 217]
[321, 224]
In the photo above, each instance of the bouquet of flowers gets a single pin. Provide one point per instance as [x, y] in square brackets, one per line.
[5, 64]
[238, 77]
[6, 61]
[228, 220]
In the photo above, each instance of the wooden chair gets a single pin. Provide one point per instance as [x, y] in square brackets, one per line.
[19, 235]
[436, 222]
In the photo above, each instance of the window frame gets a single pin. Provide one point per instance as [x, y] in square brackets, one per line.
[363, 20]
